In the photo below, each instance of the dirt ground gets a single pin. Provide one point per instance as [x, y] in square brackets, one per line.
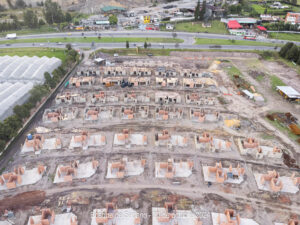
[145, 191]
[287, 74]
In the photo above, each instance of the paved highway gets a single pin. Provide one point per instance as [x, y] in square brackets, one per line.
[188, 38]
[133, 45]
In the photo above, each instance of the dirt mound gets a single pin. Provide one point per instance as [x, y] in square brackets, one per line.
[22, 200]
[255, 74]
[289, 161]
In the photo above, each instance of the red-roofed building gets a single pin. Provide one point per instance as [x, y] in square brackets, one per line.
[261, 28]
[292, 18]
[233, 24]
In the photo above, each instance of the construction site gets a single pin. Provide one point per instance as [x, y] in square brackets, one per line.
[154, 140]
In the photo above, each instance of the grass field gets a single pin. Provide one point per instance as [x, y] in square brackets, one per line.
[94, 39]
[162, 52]
[49, 52]
[260, 9]
[283, 128]
[216, 27]
[285, 36]
[203, 41]
[232, 70]
[131, 51]
[42, 29]
[276, 81]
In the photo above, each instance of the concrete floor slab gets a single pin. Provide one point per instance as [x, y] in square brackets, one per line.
[244, 221]
[84, 170]
[182, 217]
[5, 223]
[30, 176]
[212, 177]
[288, 185]
[133, 168]
[49, 144]
[178, 140]
[94, 140]
[60, 219]
[181, 170]
[121, 217]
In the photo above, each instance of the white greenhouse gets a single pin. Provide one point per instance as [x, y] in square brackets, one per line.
[18, 75]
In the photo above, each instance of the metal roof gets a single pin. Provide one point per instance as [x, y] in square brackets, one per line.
[11, 95]
[17, 77]
[233, 24]
[248, 93]
[112, 8]
[98, 60]
[26, 68]
[240, 20]
[289, 91]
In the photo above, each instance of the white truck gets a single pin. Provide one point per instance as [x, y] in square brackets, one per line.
[11, 36]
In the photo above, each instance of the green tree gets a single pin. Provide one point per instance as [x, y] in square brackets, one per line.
[145, 45]
[293, 53]
[197, 11]
[285, 49]
[53, 12]
[12, 124]
[2, 8]
[68, 46]
[10, 5]
[266, 11]
[298, 61]
[21, 111]
[49, 81]
[16, 23]
[41, 22]
[113, 20]
[20, 4]
[203, 11]
[2, 145]
[37, 93]
[127, 44]
[68, 17]
[30, 19]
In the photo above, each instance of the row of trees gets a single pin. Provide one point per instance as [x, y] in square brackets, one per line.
[52, 13]
[10, 126]
[14, 25]
[292, 2]
[291, 52]
[281, 26]
[19, 4]
[30, 20]
[200, 11]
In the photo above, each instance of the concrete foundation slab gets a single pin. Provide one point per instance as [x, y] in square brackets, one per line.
[120, 217]
[180, 169]
[30, 176]
[212, 176]
[182, 217]
[223, 218]
[84, 170]
[288, 185]
[60, 219]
